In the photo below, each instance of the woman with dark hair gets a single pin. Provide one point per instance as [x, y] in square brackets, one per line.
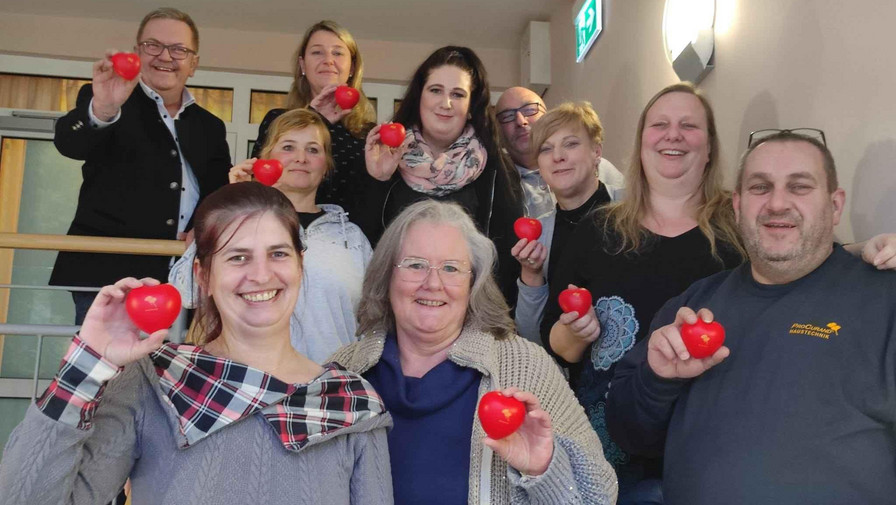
[241, 417]
[451, 152]
[437, 337]
[328, 57]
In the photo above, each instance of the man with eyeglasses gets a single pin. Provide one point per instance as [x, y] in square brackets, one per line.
[799, 406]
[517, 110]
[150, 155]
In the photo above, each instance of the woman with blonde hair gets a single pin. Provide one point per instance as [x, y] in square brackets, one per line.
[328, 57]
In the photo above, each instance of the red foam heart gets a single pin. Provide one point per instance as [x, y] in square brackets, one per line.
[127, 65]
[527, 228]
[575, 300]
[702, 339]
[267, 172]
[346, 97]
[153, 308]
[500, 415]
[392, 134]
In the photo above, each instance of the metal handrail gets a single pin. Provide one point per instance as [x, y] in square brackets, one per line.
[81, 243]
[41, 331]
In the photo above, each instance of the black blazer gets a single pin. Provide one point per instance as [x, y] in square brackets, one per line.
[132, 182]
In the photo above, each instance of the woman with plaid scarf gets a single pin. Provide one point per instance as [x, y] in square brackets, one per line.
[241, 417]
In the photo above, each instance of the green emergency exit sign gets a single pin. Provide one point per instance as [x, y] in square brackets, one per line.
[589, 23]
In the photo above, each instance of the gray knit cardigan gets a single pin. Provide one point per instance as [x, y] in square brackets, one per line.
[135, 435]
[578, 472]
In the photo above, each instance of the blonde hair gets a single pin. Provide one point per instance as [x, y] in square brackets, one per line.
[567, 114]
[298, 119]
[715, 215]
[360, 119]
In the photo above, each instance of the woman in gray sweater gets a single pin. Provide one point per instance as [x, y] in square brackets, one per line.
[239, 418]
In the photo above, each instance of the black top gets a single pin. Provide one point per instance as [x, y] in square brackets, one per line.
[306, 218]
[801, 412]
[346, 185]
[627, 289]
[565, 222]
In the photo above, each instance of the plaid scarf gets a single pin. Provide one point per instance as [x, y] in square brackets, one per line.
[460, 165]
[209, 393]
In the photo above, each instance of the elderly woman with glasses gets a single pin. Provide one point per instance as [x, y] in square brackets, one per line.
[437, 337]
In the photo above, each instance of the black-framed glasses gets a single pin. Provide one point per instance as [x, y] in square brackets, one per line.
[527, 110]
[177, 51]
[451, 272]
[759, 136]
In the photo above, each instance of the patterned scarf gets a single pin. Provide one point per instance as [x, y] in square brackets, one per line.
[210, 393]
[460, 165]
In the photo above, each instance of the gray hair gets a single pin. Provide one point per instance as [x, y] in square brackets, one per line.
[487, 309]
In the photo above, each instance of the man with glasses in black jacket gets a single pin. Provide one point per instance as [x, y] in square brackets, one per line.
[150, 155]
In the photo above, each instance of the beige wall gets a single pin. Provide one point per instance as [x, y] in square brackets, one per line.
[223, 49]
[781, 63]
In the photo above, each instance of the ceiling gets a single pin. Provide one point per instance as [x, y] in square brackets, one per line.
[476, 23]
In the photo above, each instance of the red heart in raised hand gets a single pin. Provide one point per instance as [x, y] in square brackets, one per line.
[527, 228]
[153, 308]
[127, 65]
[702, 339]
[346, 97]
[392, 134]
[500, 415]
[575, 300]
[267, 172]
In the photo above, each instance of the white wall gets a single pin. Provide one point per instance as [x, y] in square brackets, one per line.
[226, 49]
[780, 63]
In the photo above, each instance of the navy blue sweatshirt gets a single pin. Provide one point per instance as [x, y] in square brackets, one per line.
[802, 411]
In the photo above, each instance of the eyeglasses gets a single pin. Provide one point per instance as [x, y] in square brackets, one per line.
[527, 110]
[451, 272]
[759, 136]
[177, 51]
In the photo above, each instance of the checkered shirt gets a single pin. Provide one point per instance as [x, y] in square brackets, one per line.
[73, 395]
[209, 393]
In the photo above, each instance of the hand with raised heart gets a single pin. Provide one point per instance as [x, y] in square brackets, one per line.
[109, 330]
[530, 448]
[667, 354]
[110, 90]
[325, 104]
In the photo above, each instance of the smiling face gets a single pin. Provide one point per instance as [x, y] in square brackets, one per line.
[303, 157]
[326, 61]
[675, 141]
[567, 161]
[517, 133]
[429, 312]
[444, 105]
[784, 210]
[254, 279]
[163, 73]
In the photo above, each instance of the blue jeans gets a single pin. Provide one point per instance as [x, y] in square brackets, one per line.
[83, 301]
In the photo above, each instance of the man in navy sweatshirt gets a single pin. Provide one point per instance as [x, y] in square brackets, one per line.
[799, 406]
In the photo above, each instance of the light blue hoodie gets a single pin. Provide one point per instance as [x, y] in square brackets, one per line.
[333, 269]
